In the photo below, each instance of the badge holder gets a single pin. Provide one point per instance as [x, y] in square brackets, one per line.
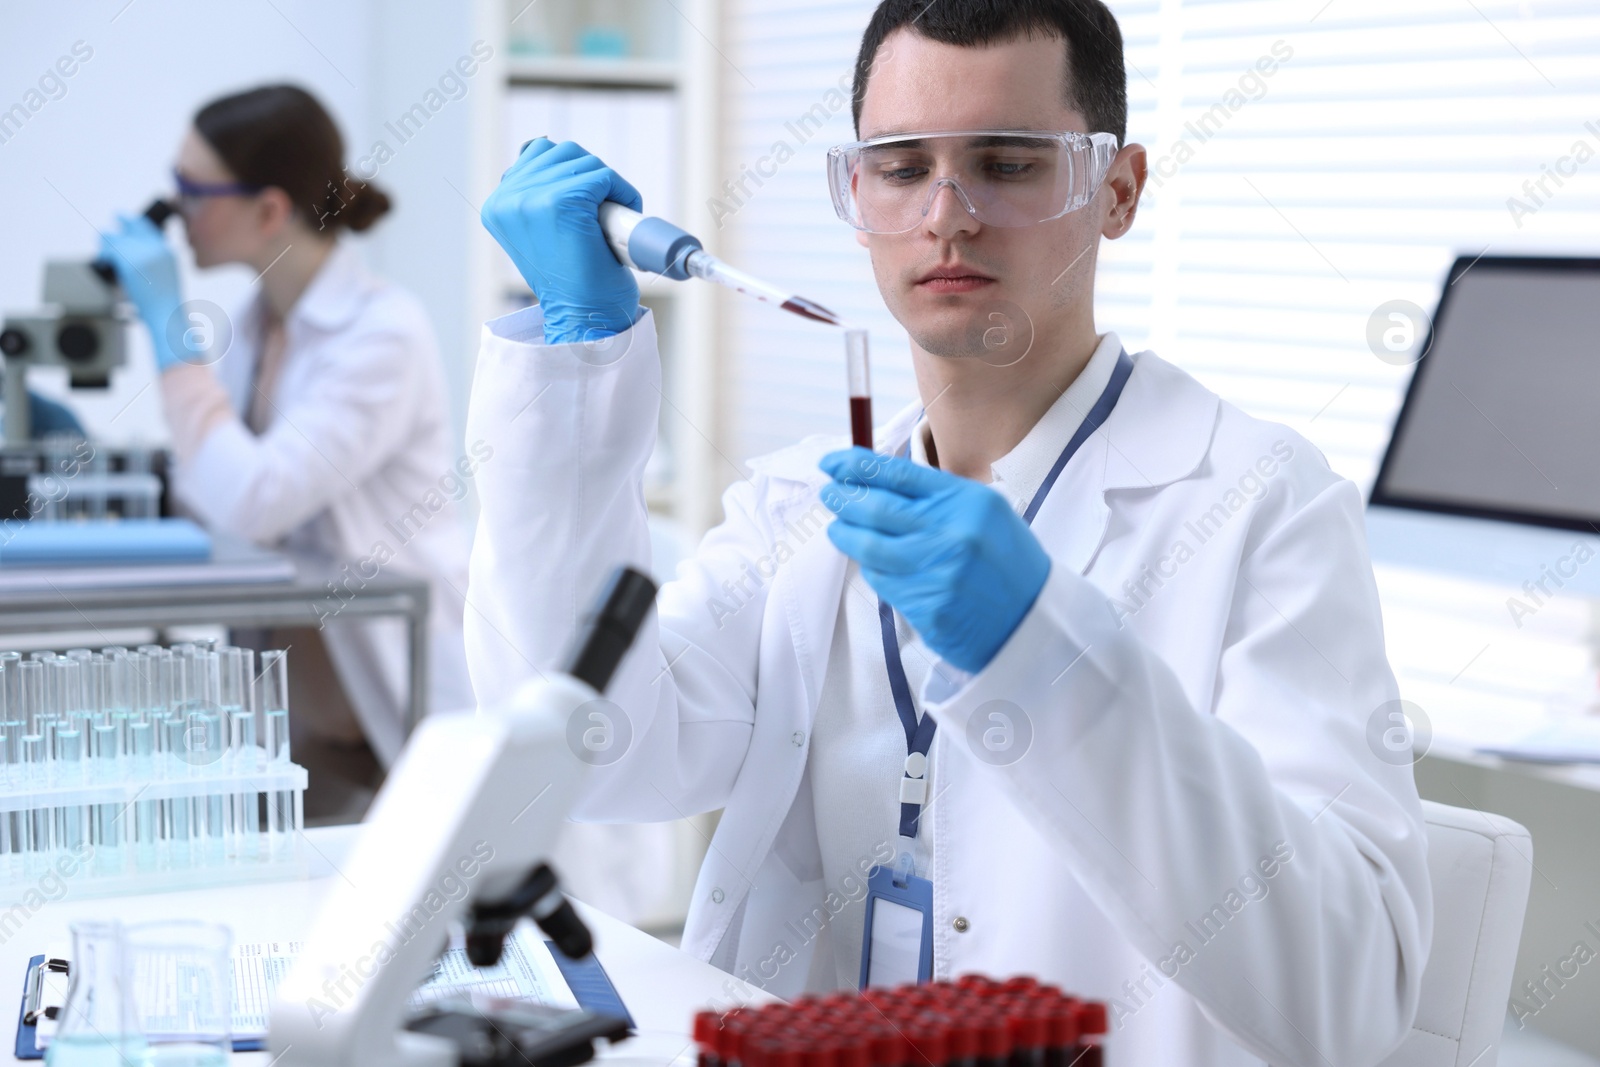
[897, 937]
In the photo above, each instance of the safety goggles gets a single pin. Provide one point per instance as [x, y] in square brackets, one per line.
[190, 190]
[1001, 177]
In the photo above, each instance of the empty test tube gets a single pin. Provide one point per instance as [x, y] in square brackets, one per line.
[33, 702]
[10, 683]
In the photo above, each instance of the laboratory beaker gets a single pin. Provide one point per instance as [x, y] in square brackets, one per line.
[182, 980]
[99, 1024]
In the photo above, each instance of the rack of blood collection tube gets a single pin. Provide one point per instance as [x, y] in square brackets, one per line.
[137, 770]
[974, 1021]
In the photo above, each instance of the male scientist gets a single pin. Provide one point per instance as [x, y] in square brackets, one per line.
[1082, 679]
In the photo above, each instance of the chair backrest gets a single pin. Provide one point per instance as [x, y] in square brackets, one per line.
[1481, 865]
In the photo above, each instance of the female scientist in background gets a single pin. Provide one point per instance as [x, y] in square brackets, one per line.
[319, 426]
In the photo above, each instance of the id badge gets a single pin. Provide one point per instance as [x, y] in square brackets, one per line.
[897, 938]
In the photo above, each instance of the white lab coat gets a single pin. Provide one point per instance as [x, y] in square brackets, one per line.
[360, 438]
[1182, 742]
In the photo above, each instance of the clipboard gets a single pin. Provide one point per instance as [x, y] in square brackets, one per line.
[588, 980]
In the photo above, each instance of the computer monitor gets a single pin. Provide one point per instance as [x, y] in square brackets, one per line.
[1493, 468]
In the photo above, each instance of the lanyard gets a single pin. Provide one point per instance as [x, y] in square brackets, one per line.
[919, 735]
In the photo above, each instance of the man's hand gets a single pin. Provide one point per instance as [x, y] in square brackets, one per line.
[946, 552]
[546, 215]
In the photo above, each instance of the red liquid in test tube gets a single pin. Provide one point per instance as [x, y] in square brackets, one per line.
[855, 351]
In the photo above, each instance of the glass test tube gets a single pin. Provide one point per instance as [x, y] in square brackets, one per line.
[33, 701]
[272, 697]
[244, 821]
[108, 824]
[212, 806]
[856, 367]
[69, 818]
[175, 823]
[13, 822]
[10, 683]
[141, 765]
[37, 831]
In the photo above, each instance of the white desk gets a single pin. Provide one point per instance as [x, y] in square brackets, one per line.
[661, 986]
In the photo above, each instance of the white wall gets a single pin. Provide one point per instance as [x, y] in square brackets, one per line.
[107, 144]
[1391, 140]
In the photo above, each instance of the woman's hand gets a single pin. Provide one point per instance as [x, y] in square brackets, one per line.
[148, 273]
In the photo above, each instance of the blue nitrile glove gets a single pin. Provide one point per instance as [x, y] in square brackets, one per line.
[546, 215]
[946, 552]
[148, 273]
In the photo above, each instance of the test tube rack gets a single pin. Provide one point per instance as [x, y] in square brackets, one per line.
[142, 771]
[973, 1021]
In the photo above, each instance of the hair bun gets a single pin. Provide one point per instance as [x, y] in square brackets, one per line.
[366, 205]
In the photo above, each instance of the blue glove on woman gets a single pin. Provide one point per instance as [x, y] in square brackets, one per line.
[944, 551]
[546, 215]
[148, 273]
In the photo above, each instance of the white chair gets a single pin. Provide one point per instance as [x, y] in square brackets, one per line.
[1481, 866]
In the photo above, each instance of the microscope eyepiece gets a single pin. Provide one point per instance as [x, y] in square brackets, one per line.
[158, 212]
[619, 612]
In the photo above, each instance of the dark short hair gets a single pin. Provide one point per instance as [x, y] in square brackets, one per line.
[1096, 80]
[282, 136]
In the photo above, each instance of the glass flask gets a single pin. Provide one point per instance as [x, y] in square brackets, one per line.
[99, 1022]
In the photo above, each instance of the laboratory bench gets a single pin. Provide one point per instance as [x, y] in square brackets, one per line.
[661, 986]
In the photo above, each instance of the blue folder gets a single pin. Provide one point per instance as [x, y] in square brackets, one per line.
[102, 542]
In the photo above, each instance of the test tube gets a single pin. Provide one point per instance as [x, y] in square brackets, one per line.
[10, 708]
[69, 818]
[37, 830]
[146, 829]
[244, 821]
[108, 827]
[10, 683]
[272, 683]
[33, 702]
[119, 679]
[205, 681]
[272, 697]
[175, 822]
[11, 731]
[855, 354]
[212, 807]
[64, 682]
[281, 821]
[157, 683]
[234, 679]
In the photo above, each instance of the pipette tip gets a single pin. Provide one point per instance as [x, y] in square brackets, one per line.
[811, 310]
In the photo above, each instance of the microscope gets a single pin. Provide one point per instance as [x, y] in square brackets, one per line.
[80, 327]
[499, 782]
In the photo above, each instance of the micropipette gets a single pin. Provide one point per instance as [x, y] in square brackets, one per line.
[655, 245]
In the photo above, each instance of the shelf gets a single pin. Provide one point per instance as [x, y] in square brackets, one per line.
[586, 71]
